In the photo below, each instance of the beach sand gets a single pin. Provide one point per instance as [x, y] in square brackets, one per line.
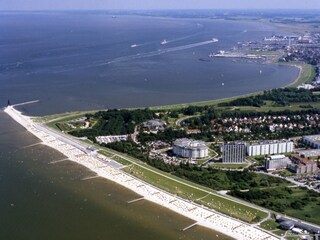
[110, 170]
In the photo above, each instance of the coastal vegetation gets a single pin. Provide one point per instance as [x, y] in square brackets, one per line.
[280, 96]
[212, 200]
[307, 74]
[269, 192]
[114, 122]
[296, 202]
[227, 180]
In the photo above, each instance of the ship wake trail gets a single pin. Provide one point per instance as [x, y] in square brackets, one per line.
[141, 55]
[154, 53]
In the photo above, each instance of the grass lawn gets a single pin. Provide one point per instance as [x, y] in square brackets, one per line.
[286, 173]
[107, 154]
[121, 160]
[232, 209]
[270, 225]
[232, 166]
[310, 212]
[115, 158]
[216, 202]
[279, 232]
[293, 238]
[61, 121]
[300, 203]
[307, 74]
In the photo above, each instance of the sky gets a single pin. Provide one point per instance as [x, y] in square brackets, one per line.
[157, 4]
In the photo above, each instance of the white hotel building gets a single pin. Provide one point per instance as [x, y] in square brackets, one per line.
[188, 148]
[269, 147]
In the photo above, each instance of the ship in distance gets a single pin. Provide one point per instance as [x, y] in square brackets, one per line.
[164, 42]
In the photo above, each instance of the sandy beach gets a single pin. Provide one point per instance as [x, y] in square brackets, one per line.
[107, 168]
[298, 77]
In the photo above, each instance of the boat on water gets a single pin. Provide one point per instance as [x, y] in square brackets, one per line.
[215, 40]
[134, 45]
[164, 42]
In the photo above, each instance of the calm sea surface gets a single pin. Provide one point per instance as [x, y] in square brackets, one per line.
[73, 61]
[77, 61]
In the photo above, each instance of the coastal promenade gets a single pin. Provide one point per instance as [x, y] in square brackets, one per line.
[77, 152]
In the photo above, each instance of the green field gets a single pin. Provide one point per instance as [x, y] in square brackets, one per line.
[232, 209]
[307, 74]
[270, 107]
[203, 197]
[310, 212]
[270, 224]
[60, 120]
[293, 238]
[297, 202]
[229, 166]
[280, 232]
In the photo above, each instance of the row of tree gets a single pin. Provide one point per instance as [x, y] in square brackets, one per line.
[281, 96]
[278, 199]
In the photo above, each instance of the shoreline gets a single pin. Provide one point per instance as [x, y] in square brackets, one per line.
[216, 101]
[199, 103]
[298, 77]
[110, 170]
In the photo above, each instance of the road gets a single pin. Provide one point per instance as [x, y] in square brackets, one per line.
[178, 122]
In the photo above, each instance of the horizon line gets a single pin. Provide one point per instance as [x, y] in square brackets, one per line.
[161, 9]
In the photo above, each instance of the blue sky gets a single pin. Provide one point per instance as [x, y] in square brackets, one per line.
[157, 4]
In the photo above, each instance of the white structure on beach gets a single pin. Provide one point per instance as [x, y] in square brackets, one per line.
[188, 148]
[269, 147]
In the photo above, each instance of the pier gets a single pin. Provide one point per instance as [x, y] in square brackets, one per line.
[88, 178]
[58, 161]
[32, 145]
[190, 226]
[136, 200]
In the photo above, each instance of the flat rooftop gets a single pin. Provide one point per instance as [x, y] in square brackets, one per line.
[315, 138]
[190, 143]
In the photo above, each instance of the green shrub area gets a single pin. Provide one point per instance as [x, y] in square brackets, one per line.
[114, 122]
[227, 180]
[296, 202]
[280, 96]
